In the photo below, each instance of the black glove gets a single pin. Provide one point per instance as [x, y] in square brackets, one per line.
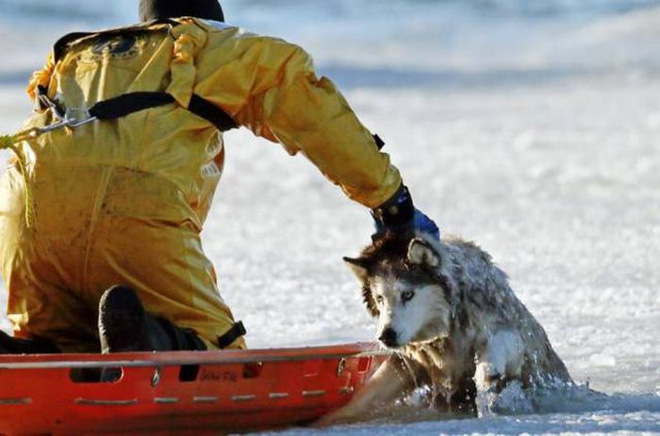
[399, 214]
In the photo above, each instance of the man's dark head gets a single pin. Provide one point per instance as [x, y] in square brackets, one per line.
[160, 9]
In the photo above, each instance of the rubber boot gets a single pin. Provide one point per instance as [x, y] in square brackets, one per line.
[125, 326]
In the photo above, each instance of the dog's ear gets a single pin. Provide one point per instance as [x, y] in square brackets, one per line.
[360, 267]
[420, 252]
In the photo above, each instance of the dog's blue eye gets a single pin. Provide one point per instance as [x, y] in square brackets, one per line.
[407, 296]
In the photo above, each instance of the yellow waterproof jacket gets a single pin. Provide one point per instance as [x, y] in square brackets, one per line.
[124, 200]
[263, 83]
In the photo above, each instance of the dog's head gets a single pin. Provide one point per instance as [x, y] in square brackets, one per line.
[404, 285]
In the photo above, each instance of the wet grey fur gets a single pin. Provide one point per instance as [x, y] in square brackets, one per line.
[491, 338]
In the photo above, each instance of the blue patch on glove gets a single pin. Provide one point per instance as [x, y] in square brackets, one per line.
[425, 224]
[420, 222]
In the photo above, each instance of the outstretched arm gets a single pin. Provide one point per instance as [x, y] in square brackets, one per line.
[270, 86]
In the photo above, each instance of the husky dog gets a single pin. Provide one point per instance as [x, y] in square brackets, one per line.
[453, 323]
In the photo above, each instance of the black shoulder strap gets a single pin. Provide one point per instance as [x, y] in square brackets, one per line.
[127, 104]
[62, 44]
[136, 101]
[211, 113]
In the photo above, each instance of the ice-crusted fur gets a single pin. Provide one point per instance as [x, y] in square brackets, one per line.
[450, 315]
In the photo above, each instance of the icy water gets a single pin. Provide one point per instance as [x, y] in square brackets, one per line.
[531, 128]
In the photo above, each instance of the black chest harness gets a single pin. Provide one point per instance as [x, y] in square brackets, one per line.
[124, 104]
[129, 103]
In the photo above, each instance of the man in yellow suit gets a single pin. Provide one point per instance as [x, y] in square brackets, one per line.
[101, 211]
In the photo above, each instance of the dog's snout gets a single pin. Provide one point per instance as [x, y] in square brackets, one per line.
[388, 337]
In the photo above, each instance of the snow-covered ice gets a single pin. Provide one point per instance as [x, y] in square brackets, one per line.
[531, 128]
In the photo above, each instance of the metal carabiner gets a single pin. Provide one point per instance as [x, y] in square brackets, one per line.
[74, 117]
[54, 126]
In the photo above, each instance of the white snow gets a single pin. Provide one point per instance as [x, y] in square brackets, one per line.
[533, 131]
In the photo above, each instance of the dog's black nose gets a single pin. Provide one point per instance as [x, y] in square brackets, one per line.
[388, 337]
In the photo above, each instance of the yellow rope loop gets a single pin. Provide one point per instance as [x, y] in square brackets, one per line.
[184, 49]
[41, 77]
[10, 142]
[188, 38]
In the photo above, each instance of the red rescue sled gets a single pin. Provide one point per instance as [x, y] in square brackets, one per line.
[180, 392]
